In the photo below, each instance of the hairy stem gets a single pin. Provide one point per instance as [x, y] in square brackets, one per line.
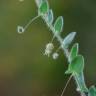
[79, 82]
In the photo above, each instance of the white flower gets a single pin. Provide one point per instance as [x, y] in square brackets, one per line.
[49, 48]
[55, 56]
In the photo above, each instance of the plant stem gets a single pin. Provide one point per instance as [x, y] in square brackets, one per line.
[66, 53]
[66, 85]
[33, 19]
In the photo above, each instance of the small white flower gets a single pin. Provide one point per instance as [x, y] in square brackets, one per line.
[47, 52]
[20, 29]
[55, 56]
[49, 48]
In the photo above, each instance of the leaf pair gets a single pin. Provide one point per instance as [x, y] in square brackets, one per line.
[58, 25]
[76, 65]
[43, 10]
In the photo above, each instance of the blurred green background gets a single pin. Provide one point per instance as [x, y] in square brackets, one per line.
[24, 70]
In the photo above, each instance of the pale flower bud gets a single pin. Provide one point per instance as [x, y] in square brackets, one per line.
[55, 56]
[49, 48]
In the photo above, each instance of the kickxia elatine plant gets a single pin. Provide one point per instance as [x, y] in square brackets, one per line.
[75, 59]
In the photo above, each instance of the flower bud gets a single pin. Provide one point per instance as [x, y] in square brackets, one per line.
[49, 48]
[55, 56]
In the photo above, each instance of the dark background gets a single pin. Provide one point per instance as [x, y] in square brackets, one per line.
[24, 70]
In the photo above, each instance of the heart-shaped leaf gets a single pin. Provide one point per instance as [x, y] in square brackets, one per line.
[44, 7]
[76, 66]
[92, 91]
[74, 52]
[58, 26]
[68, 39]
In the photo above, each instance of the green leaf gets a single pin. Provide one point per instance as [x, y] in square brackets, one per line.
[49, 18]
[76, 66]
[44, 7]
[74, 52]
[38, 3]
[80, 82]
[92, 91]
[68, 39]
[58, 26]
